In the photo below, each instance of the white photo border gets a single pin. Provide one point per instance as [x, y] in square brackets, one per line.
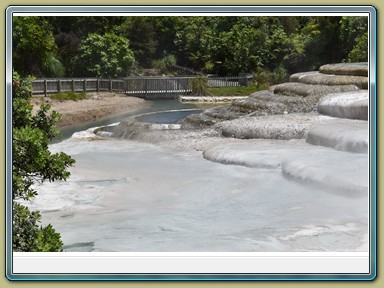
[13, 273]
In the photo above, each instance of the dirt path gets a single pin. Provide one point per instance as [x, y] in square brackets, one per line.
[97, 106]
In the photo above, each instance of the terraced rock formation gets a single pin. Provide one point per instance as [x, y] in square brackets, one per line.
[325, 109]
[327, 147]
[313, 129]
[300, 95]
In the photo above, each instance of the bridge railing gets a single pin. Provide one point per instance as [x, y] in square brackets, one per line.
[145, 87]
[158, 87]
[50, 85]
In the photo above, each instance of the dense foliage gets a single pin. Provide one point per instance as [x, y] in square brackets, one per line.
[33, 163]
[225, 45]
[105, 55]
[34, 49]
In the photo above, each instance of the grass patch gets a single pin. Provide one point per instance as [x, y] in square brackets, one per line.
[233, 91]
[63, 96]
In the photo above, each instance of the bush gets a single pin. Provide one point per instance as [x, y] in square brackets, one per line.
[359, 53]
[279, 75]
[262, 78]
[106, 56]
[33, 163]
[199, 86]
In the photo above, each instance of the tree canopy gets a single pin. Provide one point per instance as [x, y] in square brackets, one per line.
[227, 45]
[105, 55]
[34, 49]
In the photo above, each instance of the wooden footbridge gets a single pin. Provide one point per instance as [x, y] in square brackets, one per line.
[144, 87]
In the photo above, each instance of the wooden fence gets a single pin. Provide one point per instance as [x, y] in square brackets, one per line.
[145, 87]
[48, 86]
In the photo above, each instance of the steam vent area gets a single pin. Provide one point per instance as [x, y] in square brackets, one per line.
[314, 128]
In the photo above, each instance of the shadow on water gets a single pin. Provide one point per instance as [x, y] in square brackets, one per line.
[154, 106]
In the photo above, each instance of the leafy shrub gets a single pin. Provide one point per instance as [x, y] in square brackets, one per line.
[169, 60]
[280, 75]
[359, 53]
[33, 163]
[262, 78]
[106, 55]
[199, 86]
[52, 67]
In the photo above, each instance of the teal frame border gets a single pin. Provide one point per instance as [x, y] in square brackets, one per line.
[197, 9]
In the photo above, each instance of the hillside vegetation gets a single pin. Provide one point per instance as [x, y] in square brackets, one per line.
[101, 46]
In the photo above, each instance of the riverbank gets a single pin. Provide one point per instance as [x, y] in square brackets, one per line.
[95, 107]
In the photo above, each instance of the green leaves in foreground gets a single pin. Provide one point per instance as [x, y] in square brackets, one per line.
[33, 163]
[28, 236]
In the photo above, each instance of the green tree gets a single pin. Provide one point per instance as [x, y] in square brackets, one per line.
[166, 28]
[359, 53]
[354, 36]
[68, 44]
[33, 163]
[245, 44]
[324, 45]
[34, 48]
[81, 26]
[211, 44]
[141, 35]
[105, 55]
[294, 59]
[196, 41]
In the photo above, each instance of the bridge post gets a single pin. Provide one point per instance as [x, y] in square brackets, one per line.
[45, 88]
[125, 85]
[146, 88]
[166, 87]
